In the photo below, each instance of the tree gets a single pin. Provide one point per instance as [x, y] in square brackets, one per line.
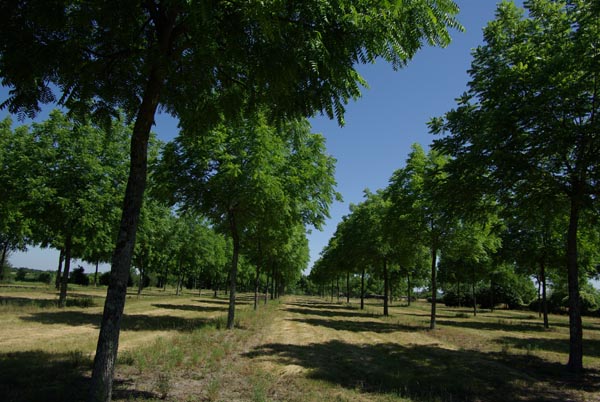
[248, 177]
[195, 62]
[415, 192]
[529, 119]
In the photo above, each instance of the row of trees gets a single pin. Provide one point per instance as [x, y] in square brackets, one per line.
[205, 64]
[511, 186]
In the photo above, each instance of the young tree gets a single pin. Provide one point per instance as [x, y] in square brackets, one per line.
[197, 61]
[529, 119]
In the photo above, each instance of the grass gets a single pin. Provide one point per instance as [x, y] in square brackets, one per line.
[302, 349]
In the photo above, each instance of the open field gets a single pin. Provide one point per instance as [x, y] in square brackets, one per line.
[297, 349]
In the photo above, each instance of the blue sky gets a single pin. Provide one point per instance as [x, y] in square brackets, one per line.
[380, 126]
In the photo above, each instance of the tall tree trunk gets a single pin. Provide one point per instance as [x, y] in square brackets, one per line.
[362, 289]
[338, 288]
[233, 274]
[61, 257]
[108, 339]
[140, 284]
[96, 274]
[62, 298]
[473, 290]
[332, 290]
[492, 292]
[544, 301]
[408, 288]
[3, 268]
[256, 287]
[273, 282]
[386, 288]
[458, 291]
[348, 287]
[539, 291]
[575, 363]
[433, 287]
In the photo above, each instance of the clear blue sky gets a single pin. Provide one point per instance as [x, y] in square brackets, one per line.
[380, 127]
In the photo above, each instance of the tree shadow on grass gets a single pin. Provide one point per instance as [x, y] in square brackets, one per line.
[329, 313]
[495, 326]
[591, 346]
[358, 326]
[136, 322]
[52, 377]
[223, 302]
[26, 301]
[320, 305]
[189, 307]
[418, 372]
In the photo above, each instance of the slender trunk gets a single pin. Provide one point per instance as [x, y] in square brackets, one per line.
[3, 268]
[458, 291]
[391, 286]
[338, 288]
[62, 298]
[96, 274]
[233, 274]
[348, 287]
[433, 287]
[492, 292]
[256, 287]
[386, 288]
[61, 257]
[362, 289]
[544, 303]
[273, 282]
[575, 363]
[332, 290]
[473, 290]
[539, 297]
[179, 283]
[140, 284]
[409, 288]
[108, 339]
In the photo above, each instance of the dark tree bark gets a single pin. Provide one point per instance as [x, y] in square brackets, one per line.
[544, 305]
[539, 291]
[61, 257]
[362, 289]
[433, 287]
[96, 274]
[332, 283]
[473, 290]
[233, 274]
[338, 288]
[492, 292]
[386, 288]
[3, 273]
[348, 287]
[256, 287]
[575, 363]
[409, 288]
[62, 298]
[108, 340]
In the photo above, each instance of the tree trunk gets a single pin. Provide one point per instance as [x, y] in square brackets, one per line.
[348, 287]
[433, 287]
[332, 290]
[386, 288]
[233, 274]
[409, 288]
[362, 289]
[108, 339]
[575, 363]
[458, 291]
[61, 257]
[62, 298]
[492, 292]
[544, 301]
[338, 288]
[140, 284]
[273, 282]
[473, 290]
[3, 270]
[539, 281]
[256, 287]
[96, 274]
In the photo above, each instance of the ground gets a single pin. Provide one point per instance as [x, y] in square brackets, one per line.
[295, 349]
